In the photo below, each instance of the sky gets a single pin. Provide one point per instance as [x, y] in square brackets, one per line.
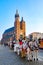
[30, 10]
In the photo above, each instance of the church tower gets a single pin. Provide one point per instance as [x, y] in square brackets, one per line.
[17, 25]
[23, 28]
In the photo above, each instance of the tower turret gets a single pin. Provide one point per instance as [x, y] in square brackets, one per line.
[17, 15]
[22, 19]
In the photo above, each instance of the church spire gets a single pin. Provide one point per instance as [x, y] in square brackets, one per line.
[16, 11]
[16, 15]
[22, 19]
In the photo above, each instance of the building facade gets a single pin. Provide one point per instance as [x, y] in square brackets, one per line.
[37, 35]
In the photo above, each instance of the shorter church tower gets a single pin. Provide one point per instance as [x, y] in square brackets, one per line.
[22, 28]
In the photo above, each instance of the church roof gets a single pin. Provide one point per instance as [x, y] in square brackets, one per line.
[9, 30]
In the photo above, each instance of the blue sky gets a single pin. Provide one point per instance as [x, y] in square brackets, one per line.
[31, 10]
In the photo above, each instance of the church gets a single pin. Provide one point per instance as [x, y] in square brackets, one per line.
[16, 32]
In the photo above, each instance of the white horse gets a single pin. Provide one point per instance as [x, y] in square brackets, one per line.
[28, 53]
[17, 48]
[29, 50]
[35, 55]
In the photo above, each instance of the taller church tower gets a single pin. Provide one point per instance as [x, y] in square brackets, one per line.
[19, 26]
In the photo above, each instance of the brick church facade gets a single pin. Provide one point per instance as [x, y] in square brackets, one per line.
[19, 27]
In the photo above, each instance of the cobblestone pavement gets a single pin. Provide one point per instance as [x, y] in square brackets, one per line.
[8, 57]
